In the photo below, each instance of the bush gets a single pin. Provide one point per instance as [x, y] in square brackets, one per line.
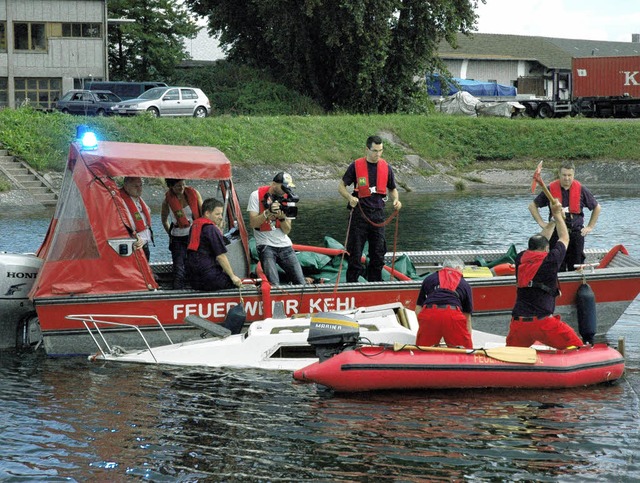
[242, 90]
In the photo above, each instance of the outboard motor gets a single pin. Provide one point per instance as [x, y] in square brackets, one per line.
[586, 307]
[331, 333]
[17, 274]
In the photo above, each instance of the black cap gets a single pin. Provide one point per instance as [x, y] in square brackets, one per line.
[285, 179]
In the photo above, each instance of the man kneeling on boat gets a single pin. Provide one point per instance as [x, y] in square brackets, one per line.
[208, 267]
[537, 288]
[444, 307]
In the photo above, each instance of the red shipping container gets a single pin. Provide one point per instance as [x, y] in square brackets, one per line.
[606, 76]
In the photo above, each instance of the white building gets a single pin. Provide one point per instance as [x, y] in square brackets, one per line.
[48, 47]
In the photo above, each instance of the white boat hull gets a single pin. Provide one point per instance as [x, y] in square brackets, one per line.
[281, 344]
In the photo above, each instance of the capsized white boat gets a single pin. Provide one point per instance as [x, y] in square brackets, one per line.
[273, 343]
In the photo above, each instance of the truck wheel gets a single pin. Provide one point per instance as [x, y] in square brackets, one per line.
[530, 111]
[545, 111]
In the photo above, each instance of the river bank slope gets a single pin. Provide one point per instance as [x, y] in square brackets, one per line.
[428, 153]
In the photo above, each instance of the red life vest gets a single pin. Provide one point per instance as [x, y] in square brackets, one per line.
[575, 190]
[135, 214]
[449, 278]
[266, 226]
[196, 230]
[362, 177]
[530, 263]
[176, 207]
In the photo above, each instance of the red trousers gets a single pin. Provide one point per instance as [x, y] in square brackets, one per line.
[436, 323]
[550, 331]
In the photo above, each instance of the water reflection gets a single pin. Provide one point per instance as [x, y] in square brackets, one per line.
[102, 422]
[459, 220]
[80, 421]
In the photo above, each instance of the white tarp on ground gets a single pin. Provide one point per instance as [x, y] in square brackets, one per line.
[500, 109]
[460, 103]
[463, 103]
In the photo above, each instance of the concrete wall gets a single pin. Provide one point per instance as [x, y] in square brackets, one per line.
[64, 59]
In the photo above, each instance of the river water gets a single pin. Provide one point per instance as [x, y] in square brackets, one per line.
[72, 420]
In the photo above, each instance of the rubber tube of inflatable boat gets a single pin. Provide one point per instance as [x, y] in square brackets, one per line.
[586, 306]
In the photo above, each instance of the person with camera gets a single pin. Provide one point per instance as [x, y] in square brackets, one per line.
[271, 210]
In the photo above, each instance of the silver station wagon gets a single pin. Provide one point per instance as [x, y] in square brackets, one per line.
[167, 101]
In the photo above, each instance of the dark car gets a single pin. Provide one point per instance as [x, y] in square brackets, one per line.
[88, 103]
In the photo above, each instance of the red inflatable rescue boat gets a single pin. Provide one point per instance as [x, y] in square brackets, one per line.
[372, 368]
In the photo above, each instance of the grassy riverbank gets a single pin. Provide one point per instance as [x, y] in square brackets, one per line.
[463, 143]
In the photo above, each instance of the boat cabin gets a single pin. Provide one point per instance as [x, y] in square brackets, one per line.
[89, 244]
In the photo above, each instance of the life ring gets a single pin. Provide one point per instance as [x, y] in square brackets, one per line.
[504, 269]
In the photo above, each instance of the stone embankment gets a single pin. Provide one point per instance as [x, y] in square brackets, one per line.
[413, 174]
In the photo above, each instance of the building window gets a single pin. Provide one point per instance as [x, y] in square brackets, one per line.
[3, 36]
[77, 30]
[4, 88]
[29, 36]
[37, 92]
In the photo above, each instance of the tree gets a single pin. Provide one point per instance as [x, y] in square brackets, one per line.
[150, 47]
[359, 55]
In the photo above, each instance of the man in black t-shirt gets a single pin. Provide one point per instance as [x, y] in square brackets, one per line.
[373, 180]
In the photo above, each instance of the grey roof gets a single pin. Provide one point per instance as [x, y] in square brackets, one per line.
[553, 53]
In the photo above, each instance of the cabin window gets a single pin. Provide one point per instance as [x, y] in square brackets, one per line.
[37, 92]
[29, 36]
[73, 238]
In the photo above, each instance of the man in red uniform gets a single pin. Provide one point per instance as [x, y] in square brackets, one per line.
[444, 307]
[537, 288]
[373, 181]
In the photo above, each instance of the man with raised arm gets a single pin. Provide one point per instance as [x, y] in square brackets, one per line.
[532, 318]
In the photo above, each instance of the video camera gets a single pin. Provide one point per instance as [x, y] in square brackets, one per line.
[287, 203]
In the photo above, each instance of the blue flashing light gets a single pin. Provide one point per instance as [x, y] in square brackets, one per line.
[89, 141]
[86, 137]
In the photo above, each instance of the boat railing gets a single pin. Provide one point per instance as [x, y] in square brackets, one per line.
[92, 323]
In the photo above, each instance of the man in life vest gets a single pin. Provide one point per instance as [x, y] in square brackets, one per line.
[537, 268]
[574, 198]
[208, 267]
[444, 307]
[139, 213]
[271, 228]
[374, 183]
[181, 206]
